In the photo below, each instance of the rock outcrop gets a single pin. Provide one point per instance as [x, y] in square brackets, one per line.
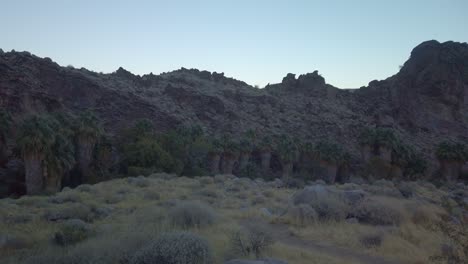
[425, 102]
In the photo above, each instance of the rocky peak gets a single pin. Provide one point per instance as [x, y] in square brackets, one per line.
[311, 80]
[123, 73]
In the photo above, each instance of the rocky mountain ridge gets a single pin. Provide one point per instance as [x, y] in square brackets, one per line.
[425, 102]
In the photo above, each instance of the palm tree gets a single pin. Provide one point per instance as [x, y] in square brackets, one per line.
[214, 156]
[104, 159]
[265, 148]
[230, 153]
[59, 160]
[245, 148]
[5, 123]
[367, 144]
[36, 137]
[330, 155]
[378, 141]
[452, 156]
[287, 151]
[88, 130]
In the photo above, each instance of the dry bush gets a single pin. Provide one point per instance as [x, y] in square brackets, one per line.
[71, 232]
[330, 208]
[150, 194]
[253, 242]
[372, 240]
[205, 180]
[380, 211]
[426, 215]
[139, 181]
[69, 211]
[300, 215]
[174, 248]
[192, 214]
[66, 197]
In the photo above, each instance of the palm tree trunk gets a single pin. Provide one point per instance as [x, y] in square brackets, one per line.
[214, 159]
[385, 153]
[3, 153]
[244, 160]
[53, 181]
[330, 171]
[286, 169]
[265, 160]
[228, 164]
[450, 170]
[33, 174]
[85, 156]
[366, 153]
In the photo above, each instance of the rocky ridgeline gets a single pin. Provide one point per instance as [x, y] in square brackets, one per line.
[425, 102]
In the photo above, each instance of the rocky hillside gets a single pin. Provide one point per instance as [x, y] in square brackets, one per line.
[426, 101]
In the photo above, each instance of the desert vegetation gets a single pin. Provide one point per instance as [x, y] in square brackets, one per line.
[186, 196]
[221, 218]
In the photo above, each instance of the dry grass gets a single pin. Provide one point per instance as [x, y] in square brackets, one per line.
[138, 211]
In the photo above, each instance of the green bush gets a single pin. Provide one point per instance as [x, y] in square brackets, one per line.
[71, 232]
[175, 248]
[192, 214]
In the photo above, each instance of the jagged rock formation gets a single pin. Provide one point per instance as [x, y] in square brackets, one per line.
[425, 102]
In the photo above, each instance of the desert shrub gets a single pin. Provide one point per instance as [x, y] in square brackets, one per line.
[69, 211]
[205, 180]
[330, 208]
[114, 198]
[258, 199]
[192, 214]
[328, 203]
[139, 181]
[371, 240]
[426, 215]
[301, 215]
[174, 248]
[379, 212]
[65, 197]
[208, 193]
[71, 232]
[151, 195]
[84, 188]
[253, 242]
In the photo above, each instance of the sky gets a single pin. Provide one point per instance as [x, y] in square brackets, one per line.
[349, 42]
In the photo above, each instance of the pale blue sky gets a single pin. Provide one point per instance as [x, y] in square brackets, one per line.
[349, 42]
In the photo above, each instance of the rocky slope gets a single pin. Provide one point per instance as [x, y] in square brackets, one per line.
[427, 100]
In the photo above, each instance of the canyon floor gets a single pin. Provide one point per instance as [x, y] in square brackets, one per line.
[383, 222]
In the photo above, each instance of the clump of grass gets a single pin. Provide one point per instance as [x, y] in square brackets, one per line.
[192, 214]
